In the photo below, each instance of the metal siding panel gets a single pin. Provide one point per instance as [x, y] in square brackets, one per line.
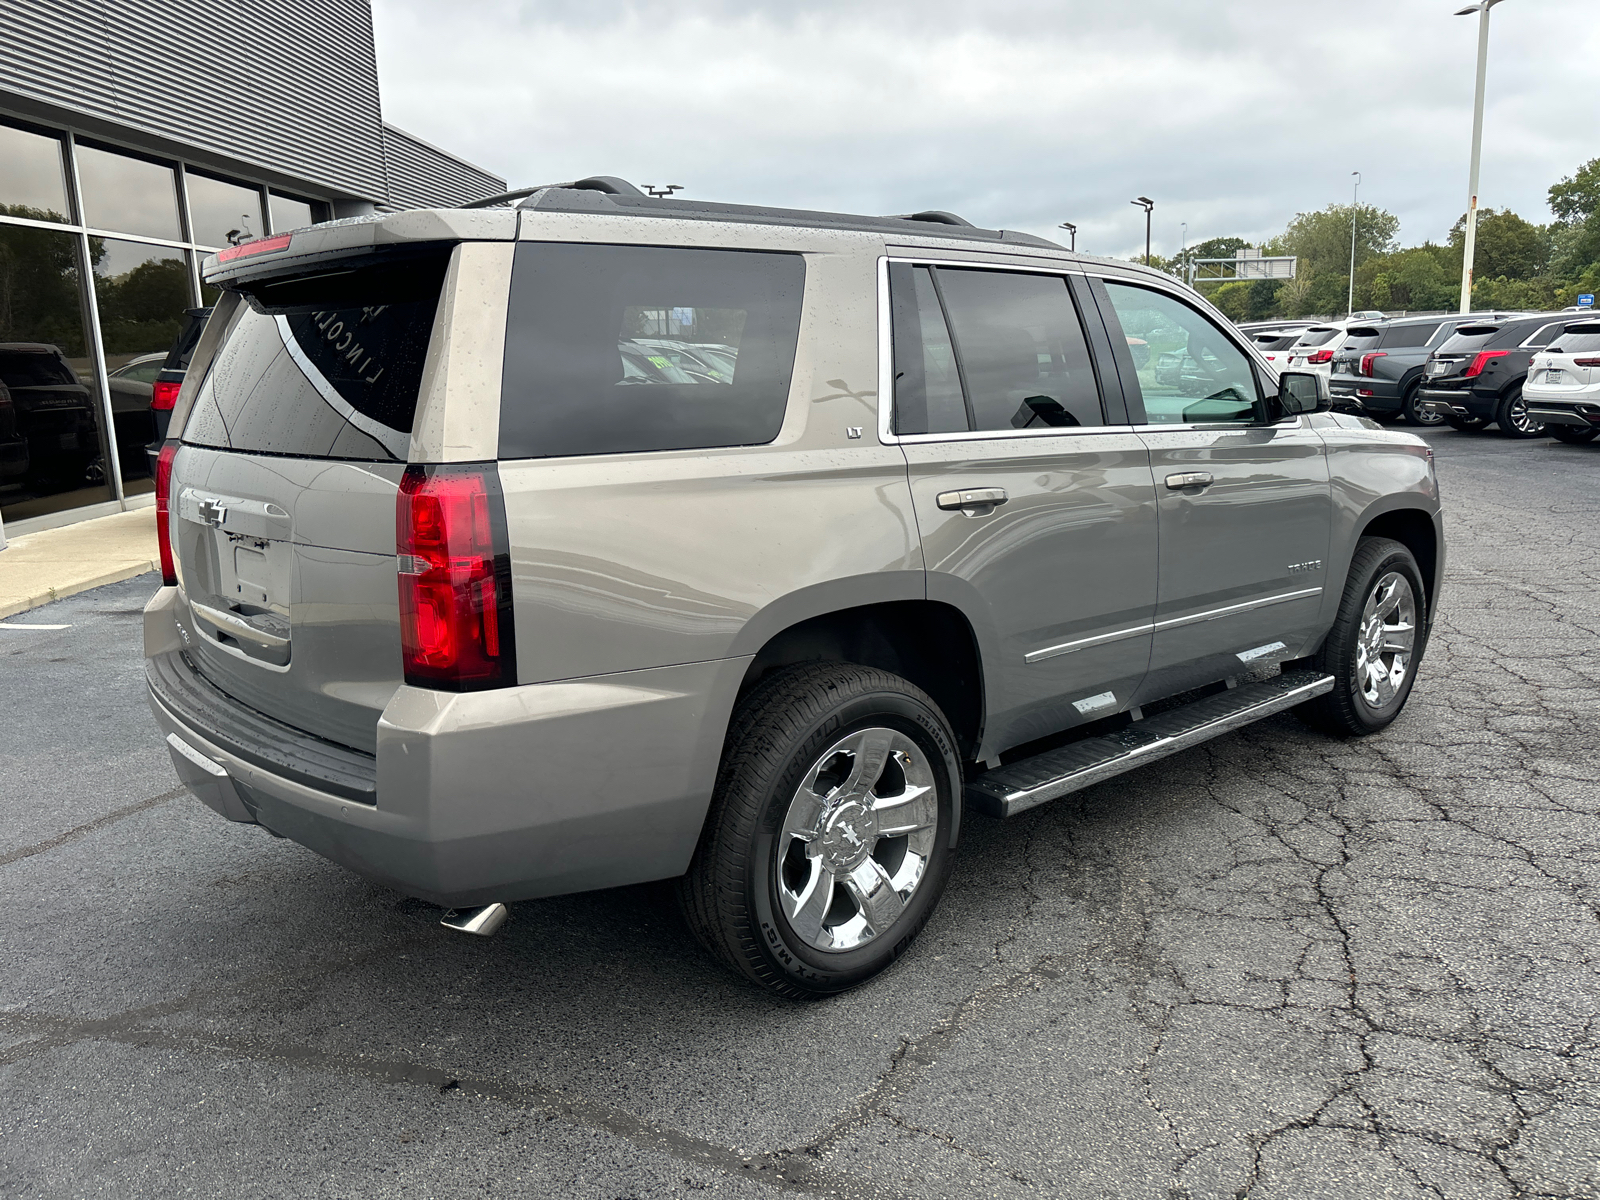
[423, 176]
[292, 88]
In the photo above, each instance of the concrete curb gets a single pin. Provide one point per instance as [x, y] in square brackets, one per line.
[79, 585]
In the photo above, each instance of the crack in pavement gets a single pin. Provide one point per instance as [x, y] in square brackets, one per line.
[72, 835]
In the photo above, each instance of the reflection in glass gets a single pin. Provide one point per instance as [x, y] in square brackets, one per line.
[289, 214]
[218, 209]
[127, 194]
[142, 292]
[51, 454]
[32, 183]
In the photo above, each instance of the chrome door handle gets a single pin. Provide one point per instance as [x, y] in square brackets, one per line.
[979, 500]
[1190, 479]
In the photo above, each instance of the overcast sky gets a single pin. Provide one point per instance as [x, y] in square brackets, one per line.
[1013, 113]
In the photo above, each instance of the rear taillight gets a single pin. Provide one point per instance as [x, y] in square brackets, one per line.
[163, 395]
[1586, 362]
[1320, 356]
[1481, 360]
[455, 578]
[169, 569]
[1366, 361]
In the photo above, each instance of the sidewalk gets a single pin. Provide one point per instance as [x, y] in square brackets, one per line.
[37, 568]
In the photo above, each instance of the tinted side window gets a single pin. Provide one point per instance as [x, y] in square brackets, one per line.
[619, 349]
[1546, 334]
[1408, 335]
[1189, 372]
[328, 366]
[927, 386]
[1023, 354]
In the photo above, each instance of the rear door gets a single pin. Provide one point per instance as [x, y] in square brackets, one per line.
[1246, 507]
[1033, 497]
[283, 493]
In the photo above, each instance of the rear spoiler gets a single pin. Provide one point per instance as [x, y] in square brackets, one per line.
[337, 240]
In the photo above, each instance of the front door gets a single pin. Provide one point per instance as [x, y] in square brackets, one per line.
[1246, 509]
[1037, 515]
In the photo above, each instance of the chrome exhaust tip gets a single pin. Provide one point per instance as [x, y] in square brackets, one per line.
[480, 921]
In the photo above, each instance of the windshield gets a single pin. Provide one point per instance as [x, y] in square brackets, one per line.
[1317, 337]
[1579, 340]
[1469, 338]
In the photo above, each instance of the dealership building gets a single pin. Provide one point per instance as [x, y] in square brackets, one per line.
[135, 139]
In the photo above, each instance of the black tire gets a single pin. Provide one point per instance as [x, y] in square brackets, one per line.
[730, 896]
[1572, 435]
[1346, 711]
[1466, 424]
[1426, 418]
[1513, 417]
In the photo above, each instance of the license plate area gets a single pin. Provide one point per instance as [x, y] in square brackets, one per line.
[237, 566]
[1555, 375]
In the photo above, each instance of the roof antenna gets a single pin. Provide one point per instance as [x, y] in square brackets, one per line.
[662, 193]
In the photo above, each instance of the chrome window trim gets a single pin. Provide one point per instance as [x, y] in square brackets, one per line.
[1211, 614]
[888, 437]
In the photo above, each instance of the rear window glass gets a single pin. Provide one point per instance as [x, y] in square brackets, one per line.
[619, 349]
[1409, 335]
[1317, 337]
[1576, 340]
[1275, 341]
[324, 366]
[1361, 339]
[1469, 337]
[33, 368]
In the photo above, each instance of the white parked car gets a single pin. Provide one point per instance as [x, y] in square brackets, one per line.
[1563, 384]
[1275, 344]
[1314, 349]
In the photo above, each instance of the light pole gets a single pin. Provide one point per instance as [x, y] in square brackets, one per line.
[1469, 242]
[1147, 204]
[1355, 207]
[1072, 232]
[1183, 248]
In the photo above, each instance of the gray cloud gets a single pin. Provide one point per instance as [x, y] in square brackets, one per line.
[1014, 113]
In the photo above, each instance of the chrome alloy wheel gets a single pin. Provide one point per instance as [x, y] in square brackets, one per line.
[857, 838]
[1524, 421]
[1385, 642]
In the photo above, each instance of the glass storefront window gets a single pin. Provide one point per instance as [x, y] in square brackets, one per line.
[32, 181]
[52, 455]
[217, 209]
[142, 292]
[289, 214]
[128, 194]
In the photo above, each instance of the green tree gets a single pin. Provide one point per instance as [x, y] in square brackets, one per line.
[1321, 240]
[1233, 299]
[1577, 197]
[1505, 245]
[1417, 279]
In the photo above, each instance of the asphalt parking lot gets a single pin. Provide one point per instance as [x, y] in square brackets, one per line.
[1278, 966]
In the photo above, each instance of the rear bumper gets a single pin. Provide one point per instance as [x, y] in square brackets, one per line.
[1365, 394]
[1558, 412]
[500, 795]
[1457, 402]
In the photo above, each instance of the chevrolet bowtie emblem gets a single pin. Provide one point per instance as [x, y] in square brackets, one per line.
[212, 513]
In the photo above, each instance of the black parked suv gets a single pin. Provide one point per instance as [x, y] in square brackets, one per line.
[164, 392]
[1476, 374]
[1377, 370]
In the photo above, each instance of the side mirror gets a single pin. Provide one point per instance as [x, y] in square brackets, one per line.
[1303, 392]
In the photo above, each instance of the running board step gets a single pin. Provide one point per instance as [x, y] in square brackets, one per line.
[1015, 788]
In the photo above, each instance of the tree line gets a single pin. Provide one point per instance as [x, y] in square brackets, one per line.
[1516, 264]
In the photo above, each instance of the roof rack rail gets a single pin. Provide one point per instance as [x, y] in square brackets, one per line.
[607, 193]
[936, 216]
[608, 184]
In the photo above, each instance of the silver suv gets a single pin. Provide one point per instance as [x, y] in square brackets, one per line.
[511, 552]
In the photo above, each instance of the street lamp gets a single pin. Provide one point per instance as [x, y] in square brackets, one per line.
[1072, 230]
[1183, 247]
[1469, 243]
[1147, 204]
[1350, 309]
